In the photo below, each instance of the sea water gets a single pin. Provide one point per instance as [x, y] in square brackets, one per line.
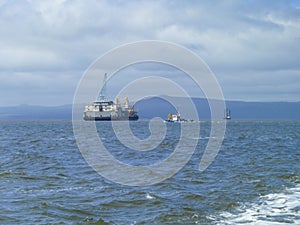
[254, 179]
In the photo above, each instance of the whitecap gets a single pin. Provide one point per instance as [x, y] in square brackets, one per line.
[278, 208]
[148, 196]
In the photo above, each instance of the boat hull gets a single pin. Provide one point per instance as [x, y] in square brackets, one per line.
[98, 118]
[108, 110]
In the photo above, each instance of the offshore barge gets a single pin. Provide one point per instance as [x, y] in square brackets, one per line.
[105, 110]
[108, 110]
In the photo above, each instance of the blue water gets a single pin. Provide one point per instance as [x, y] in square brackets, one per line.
[255, 177]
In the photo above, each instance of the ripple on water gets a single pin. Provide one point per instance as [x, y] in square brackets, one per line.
[254, 178]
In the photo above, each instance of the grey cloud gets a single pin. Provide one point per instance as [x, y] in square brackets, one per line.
[236, 38]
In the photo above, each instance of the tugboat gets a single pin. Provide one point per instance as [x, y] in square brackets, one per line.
[173, 118]
[105, 110]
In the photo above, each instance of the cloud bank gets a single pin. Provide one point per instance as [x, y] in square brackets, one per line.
[253, 47]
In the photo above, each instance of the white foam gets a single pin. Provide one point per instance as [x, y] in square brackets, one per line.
[148, 196]
[280, 208]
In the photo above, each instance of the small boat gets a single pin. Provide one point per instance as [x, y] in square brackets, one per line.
[227, 114]
[173, 118]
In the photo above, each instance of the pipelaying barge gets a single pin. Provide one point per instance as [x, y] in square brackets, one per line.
[103, 110]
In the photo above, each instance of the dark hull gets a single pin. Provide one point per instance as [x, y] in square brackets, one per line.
[135, 117]
[131, 118]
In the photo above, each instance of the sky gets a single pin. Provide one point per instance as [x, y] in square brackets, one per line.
[252, 47]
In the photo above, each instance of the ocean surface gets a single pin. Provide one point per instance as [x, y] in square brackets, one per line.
[254, 179]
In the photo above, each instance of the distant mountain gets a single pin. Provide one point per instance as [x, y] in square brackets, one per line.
[264, 110]
[152, 107]
[158, 107]
[29, 112]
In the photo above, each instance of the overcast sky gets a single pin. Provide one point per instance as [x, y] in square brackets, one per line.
[253, 47]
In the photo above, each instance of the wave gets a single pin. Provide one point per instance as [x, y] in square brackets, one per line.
[275, 208]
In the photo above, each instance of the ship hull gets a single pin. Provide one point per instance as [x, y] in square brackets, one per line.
[98, 118]
[108, 111]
